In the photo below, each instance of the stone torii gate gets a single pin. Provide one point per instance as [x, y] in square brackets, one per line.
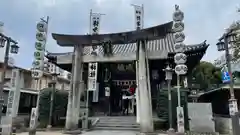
[141, 37]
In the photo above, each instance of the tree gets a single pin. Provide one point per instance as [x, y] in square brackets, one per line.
[206, 75]
[59, 108]
[235, 26]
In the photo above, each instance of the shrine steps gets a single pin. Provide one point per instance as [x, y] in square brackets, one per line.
[117, 123]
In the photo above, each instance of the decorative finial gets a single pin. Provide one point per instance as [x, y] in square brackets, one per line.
[176, 7]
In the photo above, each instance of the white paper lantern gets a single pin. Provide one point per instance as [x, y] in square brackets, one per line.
[38, 55]
[36, 74]
[39, 46]
[178, 26]
[37, 64]
[181, 69]
[179, 37]
[42, 26]
[179, 47]
[180, 58]
[41, 36]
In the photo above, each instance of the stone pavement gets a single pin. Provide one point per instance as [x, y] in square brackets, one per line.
[96, 132]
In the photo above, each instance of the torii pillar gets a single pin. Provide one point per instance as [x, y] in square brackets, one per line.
[146, 117]
[73, 108]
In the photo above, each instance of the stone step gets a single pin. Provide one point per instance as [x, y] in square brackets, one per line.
[116, 128]
[116, 121]
[116, 125]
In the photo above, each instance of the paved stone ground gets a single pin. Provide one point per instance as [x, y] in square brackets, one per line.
[96, 132]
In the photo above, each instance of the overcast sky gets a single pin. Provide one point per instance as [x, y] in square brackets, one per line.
[204, 20]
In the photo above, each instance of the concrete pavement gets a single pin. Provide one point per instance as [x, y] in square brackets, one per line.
[96, 132]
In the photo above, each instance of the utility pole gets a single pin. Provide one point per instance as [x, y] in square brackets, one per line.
[53, 87]
[233, 106]
[9, 49]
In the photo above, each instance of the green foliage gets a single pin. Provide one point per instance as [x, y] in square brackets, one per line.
[162, 107]
[59, 109]
[206, 74]
[236, 46]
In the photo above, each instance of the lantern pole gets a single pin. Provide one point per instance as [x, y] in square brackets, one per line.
[180, 59]
[4, 69]
[37, 71]
[168, 77]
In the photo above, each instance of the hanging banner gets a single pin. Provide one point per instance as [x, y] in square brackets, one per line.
[94, 29]
[14, 94]
[95, 23]
[93, 67]
[138, 17]
[92, 76]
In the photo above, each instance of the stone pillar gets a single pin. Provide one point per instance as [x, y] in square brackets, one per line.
[137, 83]
[73, 114]
[138, 106]
[77, 79]
[146, 121]
[68, 122]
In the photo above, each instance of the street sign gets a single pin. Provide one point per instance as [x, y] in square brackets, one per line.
[33, 118]
[225, 77]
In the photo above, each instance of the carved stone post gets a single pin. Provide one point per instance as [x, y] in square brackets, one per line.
[68, 122]
[137, 83]
[146, 122]
[72, 122]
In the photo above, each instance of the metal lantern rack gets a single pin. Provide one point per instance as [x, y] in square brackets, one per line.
[180, 59]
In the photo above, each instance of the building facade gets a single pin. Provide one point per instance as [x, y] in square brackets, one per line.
[29, 87]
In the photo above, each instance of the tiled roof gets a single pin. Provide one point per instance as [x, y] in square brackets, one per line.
[163, 44]
[154, 45]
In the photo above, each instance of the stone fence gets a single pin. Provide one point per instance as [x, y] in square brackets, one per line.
[223, 124]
